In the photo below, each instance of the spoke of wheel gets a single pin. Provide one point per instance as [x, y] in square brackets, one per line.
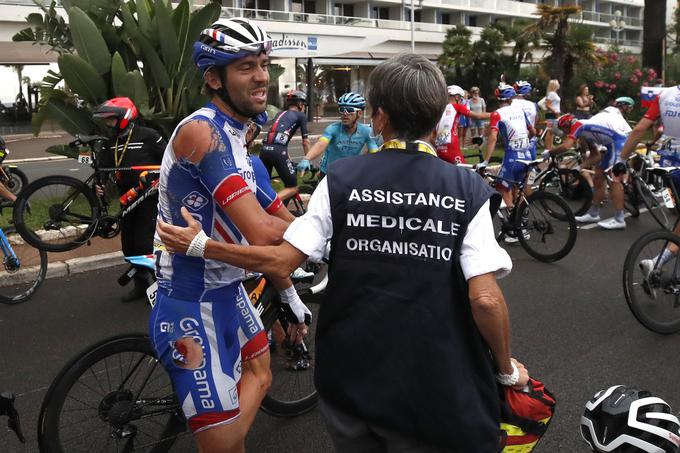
[106, 368]
[82, 402]
[104, 391]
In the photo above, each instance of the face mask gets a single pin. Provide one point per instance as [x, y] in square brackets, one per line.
[378, 138]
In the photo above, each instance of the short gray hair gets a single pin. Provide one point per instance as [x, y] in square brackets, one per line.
[412, 91]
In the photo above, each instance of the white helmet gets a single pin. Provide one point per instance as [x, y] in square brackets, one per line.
[455, 89]
[624, 417]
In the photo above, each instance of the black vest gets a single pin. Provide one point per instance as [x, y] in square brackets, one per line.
[396, 342]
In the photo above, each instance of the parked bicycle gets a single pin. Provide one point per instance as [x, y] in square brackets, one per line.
[541, 221]
[60, 213]
[116, 396]
[10, 175]
[7, 409]
[23, 267]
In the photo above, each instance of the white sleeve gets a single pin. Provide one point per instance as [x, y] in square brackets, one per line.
[480, 253]
[314, 229]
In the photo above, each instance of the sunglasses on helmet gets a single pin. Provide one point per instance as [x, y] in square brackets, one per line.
[345, 109]
[257, 47]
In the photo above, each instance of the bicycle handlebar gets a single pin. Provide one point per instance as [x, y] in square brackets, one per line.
[7, 408]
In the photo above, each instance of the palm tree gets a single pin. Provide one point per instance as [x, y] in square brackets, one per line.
[653, 34]
[523, 44]
[456, 50]
[581, 52]
[552, 26]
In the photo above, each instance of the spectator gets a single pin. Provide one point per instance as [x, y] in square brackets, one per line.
[477, 105]
[584, 103]
[432, 390]
[552, 104]
[464, 122]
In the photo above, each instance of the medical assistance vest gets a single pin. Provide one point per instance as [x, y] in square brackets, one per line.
[396, 341]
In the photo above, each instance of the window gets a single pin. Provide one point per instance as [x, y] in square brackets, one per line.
[296, 6]
[380, 13]
[342, 9]
[446, 19]
[472, 21]
[407, 15]
[310, 6]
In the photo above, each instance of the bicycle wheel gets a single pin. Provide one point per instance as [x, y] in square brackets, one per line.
[652, 203]
[545, 226]
[292, 391]
[572, 187]
[23, 273]
[652, 285]
[631, 200]
[56, 213]
[114, 396]
[17, 180]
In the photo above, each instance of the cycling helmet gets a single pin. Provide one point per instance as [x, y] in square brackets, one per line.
[624, 100]
[352, 99]
[294, 96]
[505, 92]
[628, 419]
[523, 87]
[228, 40]
[455, 90]
[565, 120]
[122, 109]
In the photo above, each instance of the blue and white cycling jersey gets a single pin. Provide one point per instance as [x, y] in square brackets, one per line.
[219, 179]
[608, 128]
[341, 145]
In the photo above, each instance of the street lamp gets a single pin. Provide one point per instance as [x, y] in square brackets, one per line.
[617, 24]
[413, 39]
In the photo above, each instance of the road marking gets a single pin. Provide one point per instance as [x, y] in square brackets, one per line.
[35, 159]
[74, 169]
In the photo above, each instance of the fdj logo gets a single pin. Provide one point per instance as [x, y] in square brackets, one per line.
[194, 201]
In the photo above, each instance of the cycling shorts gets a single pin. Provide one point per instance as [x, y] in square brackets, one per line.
[611, 155]
[200, 346]
[513, 171]
[276, 156]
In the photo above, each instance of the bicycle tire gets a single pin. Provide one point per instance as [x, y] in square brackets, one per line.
[571, 186]
[43, 205]
[115, 403]
[631, 200]
[281, 401]
[19, 284]
[17, 180]
[656, 209]
[653, 304]
[545, 216]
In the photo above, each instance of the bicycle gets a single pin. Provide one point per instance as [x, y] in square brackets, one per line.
[654, 187]
[566, 182]
[7, 409]
[305, 187]
[11, 176]
[117, 392]
[60, 213]
[23, 268]
[542, 222]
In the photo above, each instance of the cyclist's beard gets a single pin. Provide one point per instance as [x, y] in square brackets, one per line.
[223, 93]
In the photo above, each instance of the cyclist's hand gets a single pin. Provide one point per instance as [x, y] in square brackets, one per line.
[481, 167]
[177, 239]
[297, 313]
[304, 165]
[99, 190]
[297, 332]
[545, 155]
[523, 375]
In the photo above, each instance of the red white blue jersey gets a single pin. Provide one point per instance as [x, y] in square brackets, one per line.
[220, 178]
[530, 109]
[513, 125]
[666, 107]
[606, 128]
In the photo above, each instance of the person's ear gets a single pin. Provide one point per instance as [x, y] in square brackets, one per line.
[212, 78]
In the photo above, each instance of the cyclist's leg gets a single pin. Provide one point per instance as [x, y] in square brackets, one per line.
[256, 374]
[198, 345]
[286, 170]
[616, 189]
[267, 157]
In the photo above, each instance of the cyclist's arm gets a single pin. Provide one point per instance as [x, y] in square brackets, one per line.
[199, 143]
[567, 143]
[158, 145]
[318, 148]
[6, 194]
[304, 133]
[635, 136]
[493, 135]
[479, 116]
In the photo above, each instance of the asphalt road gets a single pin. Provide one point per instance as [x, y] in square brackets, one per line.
[570, 326]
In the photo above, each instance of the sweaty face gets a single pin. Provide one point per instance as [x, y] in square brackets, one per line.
[247, 81]
[348, 119]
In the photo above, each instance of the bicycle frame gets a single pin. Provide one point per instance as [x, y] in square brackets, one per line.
[7, 250]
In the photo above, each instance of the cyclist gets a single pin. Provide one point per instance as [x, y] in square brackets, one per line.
[131, 144]
[345, 138]
[523, 90]
[446, 141]
[274, 153]
[513, 125]
[204, 329]
[664, 114]
[609, 129]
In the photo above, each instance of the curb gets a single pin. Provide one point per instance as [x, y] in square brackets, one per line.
[35, 159]
[84, 264]
[13, 138]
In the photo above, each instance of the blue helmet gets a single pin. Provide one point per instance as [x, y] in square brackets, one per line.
[352, 99]
[505, 92]
[523, 87]
[229, 40]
